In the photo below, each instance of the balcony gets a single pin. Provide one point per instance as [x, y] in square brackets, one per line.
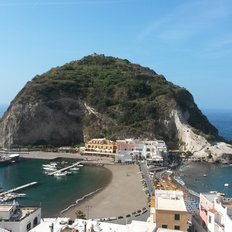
[218, 227]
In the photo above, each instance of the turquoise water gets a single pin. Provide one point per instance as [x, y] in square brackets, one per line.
[203, 177]
[52, 193]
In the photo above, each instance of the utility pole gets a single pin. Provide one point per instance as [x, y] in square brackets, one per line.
[88, 207]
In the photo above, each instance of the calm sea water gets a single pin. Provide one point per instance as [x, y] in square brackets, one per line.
[222, 120]
[216, 177]
[52, 193]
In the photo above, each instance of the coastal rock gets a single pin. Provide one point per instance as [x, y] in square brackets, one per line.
[102, 96]
[195, 142]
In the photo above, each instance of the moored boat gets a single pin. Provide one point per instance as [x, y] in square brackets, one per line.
[60, 174]
[74, 169]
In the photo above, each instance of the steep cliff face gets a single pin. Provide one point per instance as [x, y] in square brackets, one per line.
[100, 96]
[194, 141]
[37, 123]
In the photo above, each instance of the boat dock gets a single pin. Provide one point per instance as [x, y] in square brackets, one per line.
[19, 188]
[64, 169]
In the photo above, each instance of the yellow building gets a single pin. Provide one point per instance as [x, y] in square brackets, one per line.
[169, 210]
[101, 146]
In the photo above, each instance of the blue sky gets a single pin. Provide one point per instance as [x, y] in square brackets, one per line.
[188, 41]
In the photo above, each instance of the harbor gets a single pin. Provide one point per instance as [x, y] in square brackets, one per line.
[11, 195]
[66, 189]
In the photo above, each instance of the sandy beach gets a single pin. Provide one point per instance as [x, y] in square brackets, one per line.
[123, 195]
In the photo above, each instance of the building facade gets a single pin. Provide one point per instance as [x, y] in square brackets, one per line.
[101, 146]
[19, 219]
[169, 210]
[125, 151]
[216, 212]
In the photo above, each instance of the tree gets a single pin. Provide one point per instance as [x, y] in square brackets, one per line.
[80, 214]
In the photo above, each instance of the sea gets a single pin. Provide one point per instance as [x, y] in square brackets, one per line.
[56, 194]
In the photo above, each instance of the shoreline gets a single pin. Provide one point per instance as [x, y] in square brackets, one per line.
[118, 198]
[88, 196]
[123, 194]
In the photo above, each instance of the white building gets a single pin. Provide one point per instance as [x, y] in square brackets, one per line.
[59, 224]
[19, 219]
[216, 212]
[51, 225]
[153, 151]
[125, 151]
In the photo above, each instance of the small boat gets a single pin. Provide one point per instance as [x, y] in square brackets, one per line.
[60, 174]
[204, 175]
[14, 157]
[221, 194]
[51, 169]
[226, 184]
[74, 169]
[179, 180]
[50, 165]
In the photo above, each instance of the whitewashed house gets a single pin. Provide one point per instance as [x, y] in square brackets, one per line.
[15, 218]
[153, 151]
[216, 212]
[125, 151]
[80, 225]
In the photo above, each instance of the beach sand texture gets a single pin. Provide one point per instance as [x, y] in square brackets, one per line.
[122, 196]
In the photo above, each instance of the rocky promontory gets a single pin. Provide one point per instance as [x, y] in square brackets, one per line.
[102, 96]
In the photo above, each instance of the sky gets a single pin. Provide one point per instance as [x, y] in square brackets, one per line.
[188, 41]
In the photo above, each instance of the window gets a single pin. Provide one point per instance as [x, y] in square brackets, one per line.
[35, 222]
[176, 227]
[28, 226]
[164, 226]
[177, 216]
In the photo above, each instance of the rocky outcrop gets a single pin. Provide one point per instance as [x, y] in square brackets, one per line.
[38, 124]
[196, 143]
[100, 96]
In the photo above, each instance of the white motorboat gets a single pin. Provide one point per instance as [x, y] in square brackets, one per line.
[53, 164]
[14, 157]
[60, 174]
[50, 169]
[74, 169]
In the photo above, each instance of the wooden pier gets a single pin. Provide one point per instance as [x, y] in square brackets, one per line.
[19, 188]
[64, 169]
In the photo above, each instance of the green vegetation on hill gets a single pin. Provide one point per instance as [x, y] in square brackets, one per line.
[133, 100]
[125, 91]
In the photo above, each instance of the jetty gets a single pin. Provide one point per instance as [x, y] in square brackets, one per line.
[18, 188]
[64, 169]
